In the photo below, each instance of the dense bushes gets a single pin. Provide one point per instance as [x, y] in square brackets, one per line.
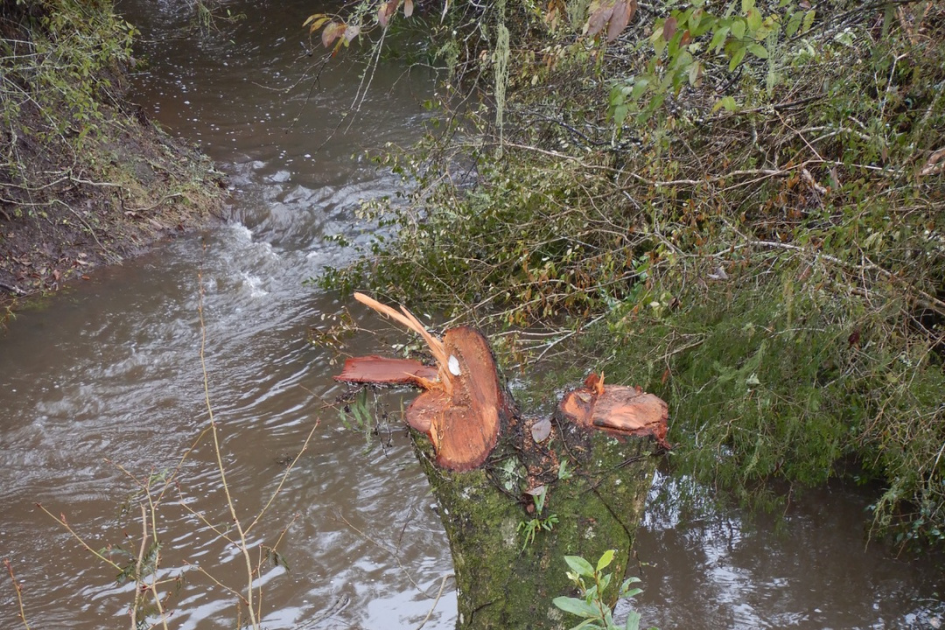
[765, 245]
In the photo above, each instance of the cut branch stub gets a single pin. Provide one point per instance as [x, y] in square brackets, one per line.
[465, 424]
[464, 405]
[384, 371]
[616, 409]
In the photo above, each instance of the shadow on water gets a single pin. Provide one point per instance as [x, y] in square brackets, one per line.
[112, 371]
[810, 567]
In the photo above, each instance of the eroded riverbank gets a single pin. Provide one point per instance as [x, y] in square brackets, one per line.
[87, 179]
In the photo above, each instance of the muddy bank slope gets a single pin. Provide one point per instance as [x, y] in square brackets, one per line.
[85, 178]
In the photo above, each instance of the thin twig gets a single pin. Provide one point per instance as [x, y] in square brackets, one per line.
[220, 467]
[288, 469]
[138, 568]
[62, 521]
[436, 601]
[380, 546]
[19, 594]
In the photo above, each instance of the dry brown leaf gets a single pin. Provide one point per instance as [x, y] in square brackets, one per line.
[623, 13]
[332, 31]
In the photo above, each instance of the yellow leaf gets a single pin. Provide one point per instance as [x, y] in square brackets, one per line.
[317, 24]
[312, 18]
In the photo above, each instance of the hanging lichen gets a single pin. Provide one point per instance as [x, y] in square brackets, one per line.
[501, 69]
[577, 13]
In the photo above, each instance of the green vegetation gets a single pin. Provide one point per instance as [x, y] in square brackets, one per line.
[533, 526]
[739, 205]
[591, 607]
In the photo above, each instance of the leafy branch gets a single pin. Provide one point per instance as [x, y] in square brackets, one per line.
[592, 582]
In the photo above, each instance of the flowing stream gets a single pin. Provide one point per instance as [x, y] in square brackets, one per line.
[106, 382]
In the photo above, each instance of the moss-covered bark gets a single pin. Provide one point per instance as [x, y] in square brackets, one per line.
[502, 582]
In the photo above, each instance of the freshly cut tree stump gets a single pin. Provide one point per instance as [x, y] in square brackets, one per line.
[518, 494]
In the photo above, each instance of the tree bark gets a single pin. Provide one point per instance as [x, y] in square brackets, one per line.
[518, 494]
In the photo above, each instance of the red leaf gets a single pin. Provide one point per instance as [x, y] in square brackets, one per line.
[623, 11]
[386, 12]
[669, 28]
[600, 15]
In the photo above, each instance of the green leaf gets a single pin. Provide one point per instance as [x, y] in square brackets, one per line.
[758, 51]
[754, 20]
[624, 588]
[620, 115]
[737, 58]
[633, 621]
[605, 581]
[718, 38]
[794, 23]
[747, 5]
[563, 472]
[580, 565]
[576, 607]
[728, 102]
[695, 73]
[605, 560]
[659, 46]
[808, 20]
[694, 20]
[738, 28]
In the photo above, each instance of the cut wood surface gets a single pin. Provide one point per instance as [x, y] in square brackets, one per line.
[486, 464]
[384, 371]
[466, 425]
[465, 407]
[616, 409]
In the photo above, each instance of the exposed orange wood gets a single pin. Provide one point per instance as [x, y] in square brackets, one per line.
[465, 407]
[384, 371]
[411, 322]
[469, 426]
[617, 409]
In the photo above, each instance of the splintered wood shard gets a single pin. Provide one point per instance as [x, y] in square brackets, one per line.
[411, 322]
[383, 371]
[616, 409]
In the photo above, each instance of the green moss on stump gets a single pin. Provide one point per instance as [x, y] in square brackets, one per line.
[499, 583]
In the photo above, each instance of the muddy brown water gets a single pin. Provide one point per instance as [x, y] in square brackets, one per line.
[109, 374]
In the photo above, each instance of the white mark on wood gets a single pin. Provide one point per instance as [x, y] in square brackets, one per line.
[454, 365]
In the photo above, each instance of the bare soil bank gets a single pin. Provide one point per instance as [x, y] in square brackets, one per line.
[85, 178]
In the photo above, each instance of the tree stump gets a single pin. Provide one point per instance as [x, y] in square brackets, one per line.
[518, 494]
